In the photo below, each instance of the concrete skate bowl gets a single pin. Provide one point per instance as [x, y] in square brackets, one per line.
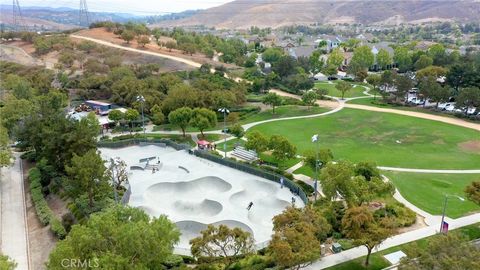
[191, 229]
[193, 198]
[264, 206]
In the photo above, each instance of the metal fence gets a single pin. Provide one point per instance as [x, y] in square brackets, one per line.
[294, 188]
[143, 141]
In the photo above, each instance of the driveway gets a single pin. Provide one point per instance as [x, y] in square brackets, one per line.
[14, 237]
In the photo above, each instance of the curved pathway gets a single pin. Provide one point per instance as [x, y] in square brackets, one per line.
[343, 104]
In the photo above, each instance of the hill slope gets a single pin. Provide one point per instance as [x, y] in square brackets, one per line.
[274, 13]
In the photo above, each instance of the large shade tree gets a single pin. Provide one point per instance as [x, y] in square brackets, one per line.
[118, 238]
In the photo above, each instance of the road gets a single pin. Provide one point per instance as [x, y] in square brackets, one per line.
[14, 237]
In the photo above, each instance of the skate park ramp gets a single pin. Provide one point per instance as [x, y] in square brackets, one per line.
[209, 194]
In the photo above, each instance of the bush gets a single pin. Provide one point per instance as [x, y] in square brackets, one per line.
[31, 156]
[306, 187]
[68, 220]
[188, 259]
[404, 217]
[57, 228]
[173, 261]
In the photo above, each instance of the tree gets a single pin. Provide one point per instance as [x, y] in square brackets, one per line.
[281, 148]
[309, 98]
[343, 87]
[362, 58]
[335, 58]
[143, 40]
[272, 55]
[131, 115]
[374, 80]
[383, 59]
[403, 85]
[181, 117]
[431, 89]
[118, 238]
[324, 156]
[431, 71]
[473, 192]
[237, 131]
[203, 118]
[402, 58]
[5, 154]
[468, 97]
[116, 116]
[222, 242]
[273, 100]
[443, 251]
[87, 175]
[128, 35]
[361, 75]
[118, 172]
[423, 62]
[296, 239]
[6, 263]
[438, 54]
[256, 141]
[360, 225]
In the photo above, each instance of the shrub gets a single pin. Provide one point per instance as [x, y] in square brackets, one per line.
[31, 156]
[306, 187]
[188, 259]
[173, 261]
[68, 220]
[57, 228]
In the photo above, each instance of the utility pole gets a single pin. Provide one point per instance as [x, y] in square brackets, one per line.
[315, 140]
[225, 111]
[83, 18]
[18, 21]
[141, 99]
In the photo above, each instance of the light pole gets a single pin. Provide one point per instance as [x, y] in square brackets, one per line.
[225, 111]
[141, 99]
[315, 140]
[445, 208]
[113, 165]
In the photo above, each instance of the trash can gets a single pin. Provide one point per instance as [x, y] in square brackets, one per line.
[336, 248]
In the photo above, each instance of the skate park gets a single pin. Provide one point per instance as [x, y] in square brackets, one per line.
[195, 192]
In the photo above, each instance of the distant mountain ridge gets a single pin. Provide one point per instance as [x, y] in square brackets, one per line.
[276, 13]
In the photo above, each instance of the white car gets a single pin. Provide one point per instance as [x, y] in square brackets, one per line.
[442, 105]
[471, 110]
[450, 107]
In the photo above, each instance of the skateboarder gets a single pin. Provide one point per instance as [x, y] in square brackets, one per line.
[293, 201]
[249, 206]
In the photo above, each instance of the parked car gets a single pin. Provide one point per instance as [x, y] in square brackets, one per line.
[450, 107]
[443, 105]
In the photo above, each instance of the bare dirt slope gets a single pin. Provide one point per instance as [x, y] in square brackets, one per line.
[272, 13]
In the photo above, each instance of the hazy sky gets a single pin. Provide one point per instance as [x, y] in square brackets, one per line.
[144, 7]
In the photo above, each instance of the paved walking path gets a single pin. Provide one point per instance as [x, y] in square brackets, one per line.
[14, 237]
[428, 170]
[391, 242]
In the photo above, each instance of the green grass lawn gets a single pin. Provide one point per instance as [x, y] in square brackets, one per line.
[426, 191]
[284, 164]
[231, 144]
[356, 91]
[377, 261]
[359, 135]
[282, 112]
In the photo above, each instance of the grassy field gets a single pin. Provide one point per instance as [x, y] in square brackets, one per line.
[388, 139]
[230, 144]
[356, 91]
[282, 112]
[427, 191]
[377, 261]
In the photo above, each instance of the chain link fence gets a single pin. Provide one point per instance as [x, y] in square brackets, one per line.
[294, 188]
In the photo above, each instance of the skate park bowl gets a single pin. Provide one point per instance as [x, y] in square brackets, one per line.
[209, 194]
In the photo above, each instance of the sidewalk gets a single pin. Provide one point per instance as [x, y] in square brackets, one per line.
[14, 238]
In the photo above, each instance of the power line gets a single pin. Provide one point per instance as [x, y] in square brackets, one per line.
[18, 21]
[83, 18]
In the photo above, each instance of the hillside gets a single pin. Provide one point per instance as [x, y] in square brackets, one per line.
[271, 13]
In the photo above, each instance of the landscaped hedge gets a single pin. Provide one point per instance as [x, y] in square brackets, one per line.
[44, 213]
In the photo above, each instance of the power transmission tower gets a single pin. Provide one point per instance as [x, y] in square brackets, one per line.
[83, 18]
[18, 21]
